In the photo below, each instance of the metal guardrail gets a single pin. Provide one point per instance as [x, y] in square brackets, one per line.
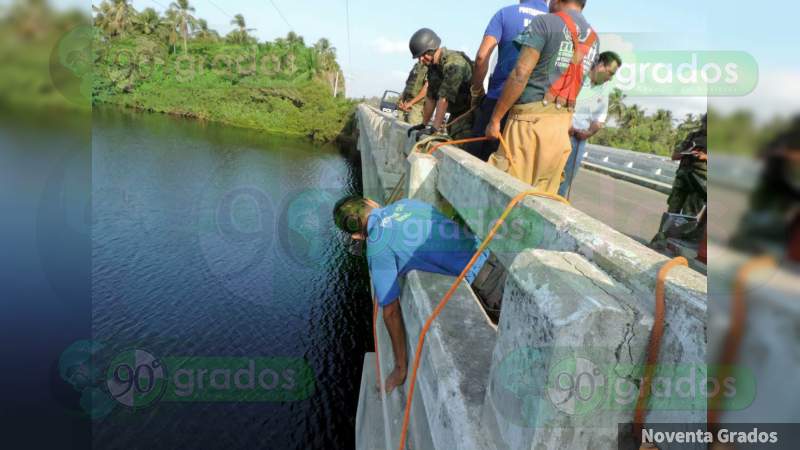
[735, 172]
[731, 171]
[645, 165]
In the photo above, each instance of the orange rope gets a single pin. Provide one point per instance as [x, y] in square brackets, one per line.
[375, 339]
[461, 117]
[654, 345]
[503, 145]
[733, 340]
[396, 189]
[450, 293]
[456, 142]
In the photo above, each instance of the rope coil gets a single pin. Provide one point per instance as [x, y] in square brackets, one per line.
[395, 194]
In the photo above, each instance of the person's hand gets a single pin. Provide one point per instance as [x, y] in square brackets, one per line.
[427, 131]
[493, 129]
[700, 155]
[415, 128]
[582, 135]
[571, 131]
[403, 106]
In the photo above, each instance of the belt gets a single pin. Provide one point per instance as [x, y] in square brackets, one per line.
[538, 108]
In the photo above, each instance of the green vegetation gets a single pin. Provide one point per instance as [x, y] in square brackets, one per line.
[29, 31]
[176, 65]
[658, 133]
[634, 130]
[738, 133]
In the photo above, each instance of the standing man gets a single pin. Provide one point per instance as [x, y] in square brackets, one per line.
[416, 89]
[556, 51]
[688, 194]
[506, 25]
[449, 75]
[591, 112]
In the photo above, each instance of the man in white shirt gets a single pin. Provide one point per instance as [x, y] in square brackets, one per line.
[591, 112]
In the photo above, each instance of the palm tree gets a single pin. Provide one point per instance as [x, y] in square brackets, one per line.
[114, 17]
[185, 20]
[203, 32]
[148, 21]
[241, 35]
[325, 62]
[168, 29]
[634, 115]
[239, 21]
[325, 50]
[294, 38]
[664, 115]
[616, 105]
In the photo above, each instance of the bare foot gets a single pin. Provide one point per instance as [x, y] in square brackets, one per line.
[396, 378]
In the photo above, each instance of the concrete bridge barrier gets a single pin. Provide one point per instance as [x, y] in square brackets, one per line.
[769, 359]
[577, 308]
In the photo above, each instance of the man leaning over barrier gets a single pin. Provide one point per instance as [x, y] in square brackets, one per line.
[412, 235]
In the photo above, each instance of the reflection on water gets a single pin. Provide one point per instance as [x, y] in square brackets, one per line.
[215, 242]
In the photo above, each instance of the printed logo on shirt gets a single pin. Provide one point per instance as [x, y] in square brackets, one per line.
[527, 10]
[564, 57]
[397, 216]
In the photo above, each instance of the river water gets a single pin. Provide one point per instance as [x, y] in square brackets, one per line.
[214, 246]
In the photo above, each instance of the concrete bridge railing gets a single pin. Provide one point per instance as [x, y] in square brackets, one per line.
[768, 354]
[578, 301]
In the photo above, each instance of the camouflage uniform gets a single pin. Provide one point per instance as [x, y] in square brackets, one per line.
[688, 194]
[451, 79]
[414, 83]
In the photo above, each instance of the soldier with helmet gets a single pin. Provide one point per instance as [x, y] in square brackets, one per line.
[411, 101]
[449, 76]
[689, 188]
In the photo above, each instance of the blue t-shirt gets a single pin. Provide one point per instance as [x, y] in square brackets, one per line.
[506, 25]
[412, 235]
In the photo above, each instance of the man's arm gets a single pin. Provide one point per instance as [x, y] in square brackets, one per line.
[482, 62]
[513, 89]
[676, 152]
[594, 128]
[422, 94]
[441, 110]
[427, 110]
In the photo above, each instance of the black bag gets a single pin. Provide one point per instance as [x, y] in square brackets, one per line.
[488, 286]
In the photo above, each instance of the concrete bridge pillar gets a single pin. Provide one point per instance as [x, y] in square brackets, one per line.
[567, 338]
[421, 179]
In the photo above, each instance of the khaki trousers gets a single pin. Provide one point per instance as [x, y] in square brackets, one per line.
[538, 139]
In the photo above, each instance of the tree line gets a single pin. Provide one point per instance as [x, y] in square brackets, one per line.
[179, 26]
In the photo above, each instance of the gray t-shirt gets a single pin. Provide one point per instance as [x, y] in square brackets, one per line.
[550, 36]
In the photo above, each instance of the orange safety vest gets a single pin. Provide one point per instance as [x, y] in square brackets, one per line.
[569, 85]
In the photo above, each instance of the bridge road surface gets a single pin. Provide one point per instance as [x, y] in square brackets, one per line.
[631, 209]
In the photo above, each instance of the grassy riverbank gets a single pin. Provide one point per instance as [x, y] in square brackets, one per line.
[272, 86]
[173, 63]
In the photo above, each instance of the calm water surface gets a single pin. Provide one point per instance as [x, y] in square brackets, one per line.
[209, 241]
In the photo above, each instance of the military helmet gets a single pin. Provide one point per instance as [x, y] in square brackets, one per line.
[423, 41]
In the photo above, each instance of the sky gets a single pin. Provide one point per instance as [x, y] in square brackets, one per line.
[373, 45]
